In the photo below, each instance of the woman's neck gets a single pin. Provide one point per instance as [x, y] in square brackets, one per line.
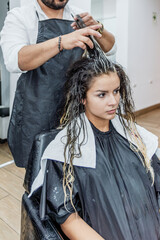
[100, 124]
[51, 13]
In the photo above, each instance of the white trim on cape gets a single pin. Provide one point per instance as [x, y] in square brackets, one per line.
[55, 149]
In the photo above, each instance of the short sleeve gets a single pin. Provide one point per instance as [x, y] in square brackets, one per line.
[55, 194]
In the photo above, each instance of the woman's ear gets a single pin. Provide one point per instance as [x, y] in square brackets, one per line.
[83, 101]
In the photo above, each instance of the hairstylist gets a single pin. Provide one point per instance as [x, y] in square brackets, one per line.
[39, 41]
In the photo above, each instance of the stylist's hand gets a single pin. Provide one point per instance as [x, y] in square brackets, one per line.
[86, 18]
[79, 38]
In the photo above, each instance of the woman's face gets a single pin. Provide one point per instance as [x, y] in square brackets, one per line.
[102, 98]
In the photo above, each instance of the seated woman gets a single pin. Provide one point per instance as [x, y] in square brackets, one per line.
[102, 174]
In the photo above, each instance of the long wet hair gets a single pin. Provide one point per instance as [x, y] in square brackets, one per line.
[79, 80]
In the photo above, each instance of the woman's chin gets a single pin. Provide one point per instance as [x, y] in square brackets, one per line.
[111, 116]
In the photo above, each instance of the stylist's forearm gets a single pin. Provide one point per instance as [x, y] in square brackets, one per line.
[33, 56]
[75, 228]
[106, 41]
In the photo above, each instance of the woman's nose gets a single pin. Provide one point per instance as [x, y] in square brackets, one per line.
[112, 100]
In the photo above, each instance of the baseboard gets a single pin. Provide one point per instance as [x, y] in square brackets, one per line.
[3, 141]
[146, 110]
[4, 122]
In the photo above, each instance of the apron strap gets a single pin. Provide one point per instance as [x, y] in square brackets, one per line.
[37, 15]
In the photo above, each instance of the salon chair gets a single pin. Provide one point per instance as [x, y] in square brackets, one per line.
[32, 227]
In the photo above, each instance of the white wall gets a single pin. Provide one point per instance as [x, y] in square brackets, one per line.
[105, 12]
[97, 9]
[83, 4]
[109, 8]
[122, 32]
[138, 42]
[144, 51]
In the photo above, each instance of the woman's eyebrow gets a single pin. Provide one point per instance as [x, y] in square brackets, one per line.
[107, 90]
[117, 87]
[101, 91]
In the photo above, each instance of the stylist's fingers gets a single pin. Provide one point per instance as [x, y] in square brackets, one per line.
[81, 45]
[86, 18]
[92, 31]
[83, 14]
[88, 21]
[83, 42]
[87, 41]
[95, 27]
[74, 26]
[72, 40]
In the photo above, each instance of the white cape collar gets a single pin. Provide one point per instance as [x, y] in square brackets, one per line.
[55, 149]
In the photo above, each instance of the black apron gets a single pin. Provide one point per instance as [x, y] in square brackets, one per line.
[39, 94]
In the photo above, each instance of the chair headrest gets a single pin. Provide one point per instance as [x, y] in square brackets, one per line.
[40, 143]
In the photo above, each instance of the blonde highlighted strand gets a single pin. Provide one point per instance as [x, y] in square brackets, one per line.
[79, 80]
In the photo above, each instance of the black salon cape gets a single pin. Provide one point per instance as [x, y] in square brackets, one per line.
[116, 198]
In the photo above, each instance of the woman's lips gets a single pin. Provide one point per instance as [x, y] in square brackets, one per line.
[111, 111]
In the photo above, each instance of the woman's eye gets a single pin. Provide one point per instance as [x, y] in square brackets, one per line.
[101, 95]
[116, 91]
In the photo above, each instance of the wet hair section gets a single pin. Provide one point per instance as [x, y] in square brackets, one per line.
[79, 78]
[100, 59]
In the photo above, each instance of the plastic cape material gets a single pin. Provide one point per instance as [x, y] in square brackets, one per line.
[117, 198]
[55, 150]
[39, 94]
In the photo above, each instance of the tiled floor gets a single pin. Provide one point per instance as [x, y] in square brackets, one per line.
[11, 181]
[11, 190]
